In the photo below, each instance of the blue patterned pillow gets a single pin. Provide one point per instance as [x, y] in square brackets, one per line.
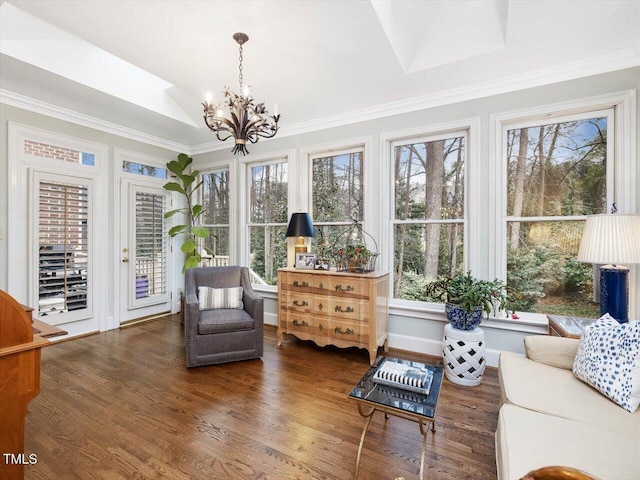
[608, 359]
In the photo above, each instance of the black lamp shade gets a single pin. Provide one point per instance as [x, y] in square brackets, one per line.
[300, 225]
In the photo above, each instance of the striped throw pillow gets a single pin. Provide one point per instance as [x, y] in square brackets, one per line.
[211, 298]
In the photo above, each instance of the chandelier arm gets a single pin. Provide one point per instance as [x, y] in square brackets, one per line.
[221, 124]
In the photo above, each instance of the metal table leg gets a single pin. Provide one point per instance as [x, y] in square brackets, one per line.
[368, 416]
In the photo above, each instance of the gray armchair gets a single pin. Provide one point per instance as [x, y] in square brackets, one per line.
[222, 335]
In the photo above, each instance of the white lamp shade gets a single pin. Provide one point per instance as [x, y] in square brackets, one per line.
[613, 239]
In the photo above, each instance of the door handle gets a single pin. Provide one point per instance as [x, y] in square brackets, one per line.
[125, 259]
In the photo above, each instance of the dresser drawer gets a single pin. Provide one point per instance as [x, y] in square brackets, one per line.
[300, 322]
[346, 286]
[348, 331]
[346, 309]
[297, 302]
[303, 283]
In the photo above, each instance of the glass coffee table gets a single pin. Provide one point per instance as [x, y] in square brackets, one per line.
[399, 402]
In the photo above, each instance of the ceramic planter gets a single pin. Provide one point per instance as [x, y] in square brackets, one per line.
[462, 320]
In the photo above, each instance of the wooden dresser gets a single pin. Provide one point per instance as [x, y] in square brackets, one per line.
[334, 308]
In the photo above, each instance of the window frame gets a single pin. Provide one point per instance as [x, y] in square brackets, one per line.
[620, 155]
[211, 171]
[247, 224]
[471, 129]
[394, 221]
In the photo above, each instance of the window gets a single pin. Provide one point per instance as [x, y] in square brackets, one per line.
[215, 201]
[428, 221]
[151, 246]
[143, 169]
[55, 152]
[337, 199]
[267, 219]
[558, 171]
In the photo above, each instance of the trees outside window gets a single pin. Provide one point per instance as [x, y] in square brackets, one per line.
[215, 203]
[428, 225]
[557, 173]
[337, 199]
[267, 226]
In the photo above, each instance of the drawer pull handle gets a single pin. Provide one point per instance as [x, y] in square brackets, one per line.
[296, 283]
[346, 310]
[320, 327]
[297, 323]
[348, 288]
[321, 286]
[297, 303]
[320, 307]
[348, 331]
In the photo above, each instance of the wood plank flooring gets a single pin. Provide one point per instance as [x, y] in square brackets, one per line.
[122, 405]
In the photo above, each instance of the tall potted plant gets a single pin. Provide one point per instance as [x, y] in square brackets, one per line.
[467, 298]
[186, 185]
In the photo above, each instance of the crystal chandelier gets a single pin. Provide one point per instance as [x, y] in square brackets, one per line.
[246, 120]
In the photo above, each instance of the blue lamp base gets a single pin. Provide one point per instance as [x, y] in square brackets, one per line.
[614, 292]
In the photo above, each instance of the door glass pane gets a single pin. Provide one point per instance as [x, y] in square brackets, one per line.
[63, 247]
[151, 246]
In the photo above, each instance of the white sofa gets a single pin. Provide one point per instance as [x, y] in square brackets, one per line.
[549, 417]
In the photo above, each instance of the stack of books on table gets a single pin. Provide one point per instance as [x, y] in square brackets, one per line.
[404, 374]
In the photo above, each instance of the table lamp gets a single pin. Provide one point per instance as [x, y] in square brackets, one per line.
[300, 226]
[612, 240]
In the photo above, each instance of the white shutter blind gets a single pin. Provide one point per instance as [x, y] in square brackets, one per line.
[151, 245]
[63, 241]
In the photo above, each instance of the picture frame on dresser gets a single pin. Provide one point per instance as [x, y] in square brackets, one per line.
[322, 264]
[306, 261]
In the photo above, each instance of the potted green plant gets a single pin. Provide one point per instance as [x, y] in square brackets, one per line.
[467, 298]
[186, 185]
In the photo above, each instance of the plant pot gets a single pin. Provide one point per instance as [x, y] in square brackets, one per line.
[461, 319]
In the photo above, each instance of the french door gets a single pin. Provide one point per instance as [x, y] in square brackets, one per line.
[144, 251]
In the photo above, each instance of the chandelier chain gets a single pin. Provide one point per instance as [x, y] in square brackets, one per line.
[240, 68]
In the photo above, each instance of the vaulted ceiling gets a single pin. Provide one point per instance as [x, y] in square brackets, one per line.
[145, 66]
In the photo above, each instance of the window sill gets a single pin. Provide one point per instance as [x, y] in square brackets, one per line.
[267, 291]
[526, 323]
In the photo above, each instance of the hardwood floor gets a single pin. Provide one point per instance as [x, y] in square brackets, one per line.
[122, 405]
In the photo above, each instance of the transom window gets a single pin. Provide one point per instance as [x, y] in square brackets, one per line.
[56, 152]
[138, 168]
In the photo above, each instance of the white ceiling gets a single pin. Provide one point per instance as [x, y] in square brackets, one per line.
[144, 66]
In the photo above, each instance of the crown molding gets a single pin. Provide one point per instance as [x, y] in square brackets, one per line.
[27, 103]
[620, 60]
